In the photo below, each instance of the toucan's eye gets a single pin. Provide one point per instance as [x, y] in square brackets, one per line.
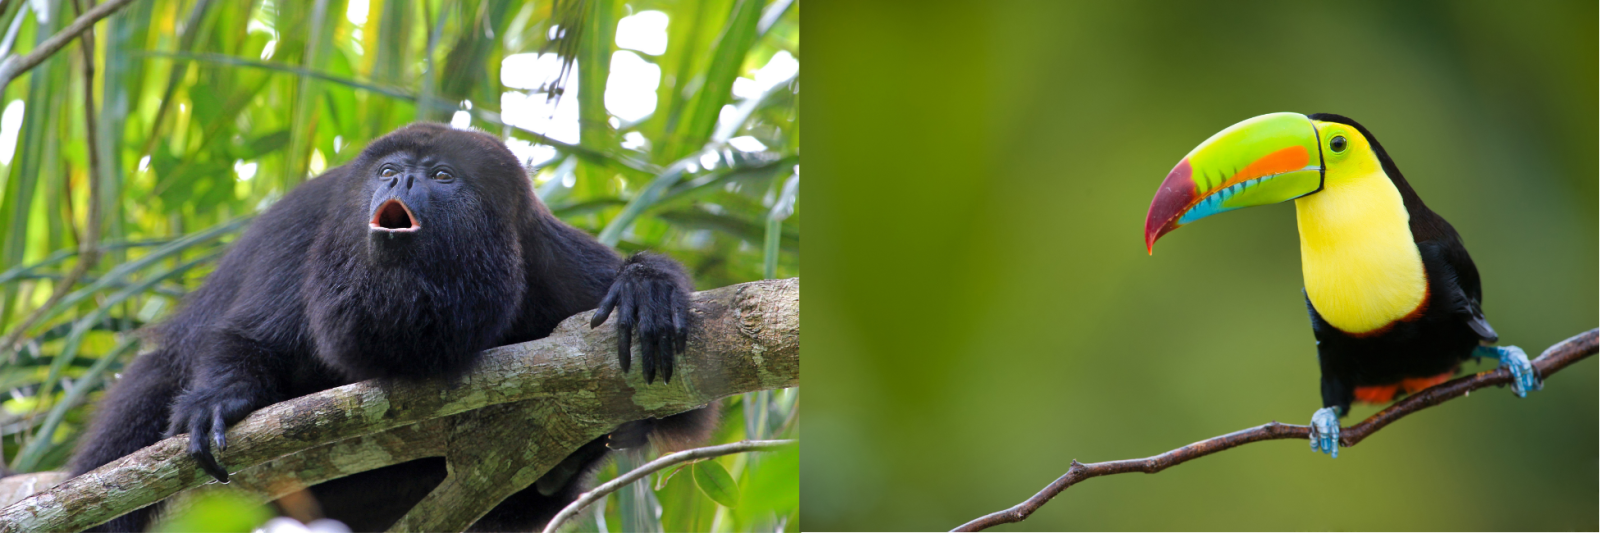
[387, 172]
[1338, 144]
[442, 176]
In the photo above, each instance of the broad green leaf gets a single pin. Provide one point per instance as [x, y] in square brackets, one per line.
[770, 486]
[715, 482]
[219, 511]
[662, 479]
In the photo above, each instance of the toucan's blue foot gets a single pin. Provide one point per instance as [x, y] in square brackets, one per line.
[1512, 358]
[1325, 431]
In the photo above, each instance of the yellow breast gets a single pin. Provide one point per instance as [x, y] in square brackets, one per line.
[1362, 268]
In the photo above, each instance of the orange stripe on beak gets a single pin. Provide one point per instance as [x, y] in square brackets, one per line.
[1282, 161]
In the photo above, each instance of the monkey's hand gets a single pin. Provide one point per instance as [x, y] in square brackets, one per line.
[651, 293]
[206, 414]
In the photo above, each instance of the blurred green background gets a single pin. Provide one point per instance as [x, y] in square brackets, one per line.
[663, 125]
[983, 310]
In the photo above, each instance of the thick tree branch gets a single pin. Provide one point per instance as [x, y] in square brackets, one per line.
[566, 389]
[600, 492]
[291, 473]
[1551, 361]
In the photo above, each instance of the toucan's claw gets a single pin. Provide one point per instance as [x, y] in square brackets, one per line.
[1325, 431]
[1525, 377]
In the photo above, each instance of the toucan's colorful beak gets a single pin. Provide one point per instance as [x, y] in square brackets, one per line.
[1263, 160]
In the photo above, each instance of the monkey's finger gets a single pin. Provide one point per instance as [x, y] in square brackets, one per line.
[648, 342]
[651, 329]
[663, 308]
[218, 428]
[603, 310]
[625, 322]
[669, 342]
[197, 434]
[627, 305]
[661, 317]
[624, 339]
[679, 325]
[666, 357]
[201, 455]
[664, 345]
[210, 466]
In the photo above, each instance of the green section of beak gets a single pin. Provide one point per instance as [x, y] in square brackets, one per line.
[1263, 160]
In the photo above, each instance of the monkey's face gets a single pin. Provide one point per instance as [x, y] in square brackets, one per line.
[421, 202]
[428, 197]
[405, 185]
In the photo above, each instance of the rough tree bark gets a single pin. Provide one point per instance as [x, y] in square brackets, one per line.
[518, 414]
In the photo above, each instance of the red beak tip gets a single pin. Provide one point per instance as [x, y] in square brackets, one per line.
[1150, 238]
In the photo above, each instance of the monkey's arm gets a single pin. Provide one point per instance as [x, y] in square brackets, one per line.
[235, 376]
[650, 293]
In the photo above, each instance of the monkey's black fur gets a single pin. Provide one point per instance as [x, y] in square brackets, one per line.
[426, 249]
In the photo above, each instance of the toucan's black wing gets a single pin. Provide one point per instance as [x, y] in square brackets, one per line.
[1461, 288]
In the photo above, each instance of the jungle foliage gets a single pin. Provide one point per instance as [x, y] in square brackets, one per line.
[203, 112]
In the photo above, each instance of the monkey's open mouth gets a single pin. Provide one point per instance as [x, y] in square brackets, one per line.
[394, 215]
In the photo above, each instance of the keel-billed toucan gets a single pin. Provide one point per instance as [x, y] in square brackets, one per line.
[1394, 298]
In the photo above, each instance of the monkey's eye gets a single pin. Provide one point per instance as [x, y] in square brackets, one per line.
[388, 172]
[1338, 144]
[441, 175]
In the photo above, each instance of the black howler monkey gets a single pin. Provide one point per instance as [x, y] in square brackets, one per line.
[404, 264]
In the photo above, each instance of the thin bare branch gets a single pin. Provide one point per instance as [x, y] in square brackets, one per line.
[600, 492]
[1551, 361]
[14, 66]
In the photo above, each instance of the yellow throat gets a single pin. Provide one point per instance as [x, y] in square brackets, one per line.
[1361, 265]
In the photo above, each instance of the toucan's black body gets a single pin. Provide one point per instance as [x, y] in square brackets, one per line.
[1432, 341]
